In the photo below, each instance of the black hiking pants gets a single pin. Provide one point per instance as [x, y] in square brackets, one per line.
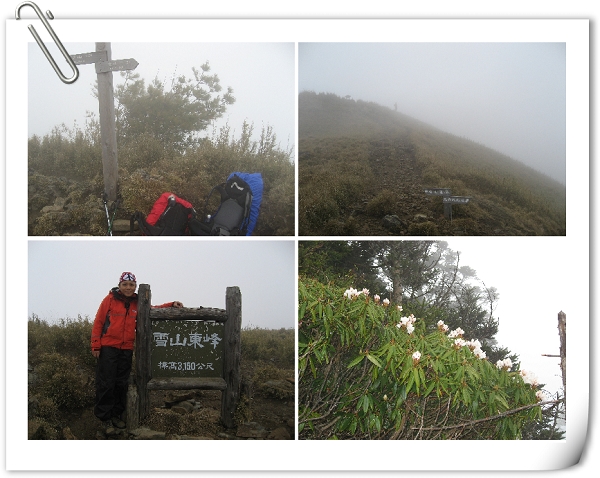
[112, 378]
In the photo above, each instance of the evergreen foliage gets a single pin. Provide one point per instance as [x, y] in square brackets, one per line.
[358, 377]
[163, 145]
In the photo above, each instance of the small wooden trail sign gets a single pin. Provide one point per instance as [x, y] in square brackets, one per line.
[447, 199]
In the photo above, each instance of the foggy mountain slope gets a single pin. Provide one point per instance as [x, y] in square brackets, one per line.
[359, 162]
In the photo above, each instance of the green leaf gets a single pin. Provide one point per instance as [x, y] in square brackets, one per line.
[417, 380]
[374, 360]
[302, 310]
[365, 404]
[353, 425]
[429, 388]
[356, 361]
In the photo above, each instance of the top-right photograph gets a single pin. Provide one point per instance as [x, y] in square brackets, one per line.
[432, 139]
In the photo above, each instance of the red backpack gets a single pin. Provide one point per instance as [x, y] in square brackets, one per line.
[169, 217]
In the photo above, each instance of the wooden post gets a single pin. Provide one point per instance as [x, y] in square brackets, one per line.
[108, 132]
[232, 355]
[142, 349]
[562, 332]
[133, 408]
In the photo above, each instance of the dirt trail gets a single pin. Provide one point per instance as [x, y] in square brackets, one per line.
[395, 168]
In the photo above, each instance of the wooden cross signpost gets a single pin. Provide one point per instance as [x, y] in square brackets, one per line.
[108, 134]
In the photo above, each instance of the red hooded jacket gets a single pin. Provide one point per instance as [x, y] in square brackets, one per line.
[114, 325]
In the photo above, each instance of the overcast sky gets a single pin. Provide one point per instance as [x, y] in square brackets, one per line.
[508, 96]
[262, 76]
[67, 278]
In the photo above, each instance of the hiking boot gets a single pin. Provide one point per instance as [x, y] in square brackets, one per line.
[107, 425]
[116, 421]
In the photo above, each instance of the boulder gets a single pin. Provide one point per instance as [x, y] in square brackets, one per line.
[393, 223]
[252, 430]
[279, 434]
[183, 408]
[143, 433]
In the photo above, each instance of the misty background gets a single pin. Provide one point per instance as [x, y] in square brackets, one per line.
[70, 278]
[510, 97]
[528, 275]
[262, 76]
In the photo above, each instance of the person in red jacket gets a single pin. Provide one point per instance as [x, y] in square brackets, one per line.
[113, 335]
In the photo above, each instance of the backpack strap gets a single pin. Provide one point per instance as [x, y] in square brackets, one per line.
[145, 228]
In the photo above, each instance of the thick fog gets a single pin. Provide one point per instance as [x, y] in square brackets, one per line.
[508, 96]
[262, 76]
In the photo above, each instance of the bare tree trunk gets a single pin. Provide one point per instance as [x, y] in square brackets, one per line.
[562, 332]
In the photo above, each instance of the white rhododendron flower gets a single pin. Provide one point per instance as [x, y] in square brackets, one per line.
[479, 353]
[365, 292]
[351, 293]
[416, 356]
[399, 308]
[474, 344]
[376, 297]
[540, 395]
[386, 302]
[456, 333]
[529, 378]
[505, 364]
[458, 343]
[407, 322]
[441, 326]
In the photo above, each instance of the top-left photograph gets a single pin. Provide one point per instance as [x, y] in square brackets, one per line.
[162, 139]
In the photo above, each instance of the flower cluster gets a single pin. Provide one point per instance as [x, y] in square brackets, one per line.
[505, 364]
[529, 378]
[407, 323]
[540, 395]
[459, 342]
[352, 293]
[416, 357]
[475, 347]
[456, 333]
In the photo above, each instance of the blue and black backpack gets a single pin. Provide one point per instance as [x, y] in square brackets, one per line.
[237, 212]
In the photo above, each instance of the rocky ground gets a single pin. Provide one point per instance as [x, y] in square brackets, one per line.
[266, 412]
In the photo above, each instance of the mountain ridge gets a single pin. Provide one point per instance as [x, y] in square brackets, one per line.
[382, 162]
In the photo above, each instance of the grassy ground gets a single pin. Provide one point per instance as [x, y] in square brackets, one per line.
[360, 162]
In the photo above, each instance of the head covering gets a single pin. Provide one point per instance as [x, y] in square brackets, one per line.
[127, 276]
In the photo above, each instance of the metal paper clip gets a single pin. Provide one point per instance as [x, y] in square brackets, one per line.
[39, 41]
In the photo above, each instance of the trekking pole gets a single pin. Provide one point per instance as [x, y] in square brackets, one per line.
[104, 201]
[112, 219]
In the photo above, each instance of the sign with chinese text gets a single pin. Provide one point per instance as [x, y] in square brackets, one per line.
[187, 348]
[438, 191]
[456, 199]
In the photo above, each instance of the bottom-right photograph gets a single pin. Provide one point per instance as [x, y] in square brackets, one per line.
[457, 339]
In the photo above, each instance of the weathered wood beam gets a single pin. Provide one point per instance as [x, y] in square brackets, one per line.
[188, 313]
[184, 383]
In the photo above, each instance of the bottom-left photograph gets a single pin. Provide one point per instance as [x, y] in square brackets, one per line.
[161, 340]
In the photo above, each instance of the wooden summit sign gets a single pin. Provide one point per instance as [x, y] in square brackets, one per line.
[187, 349]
